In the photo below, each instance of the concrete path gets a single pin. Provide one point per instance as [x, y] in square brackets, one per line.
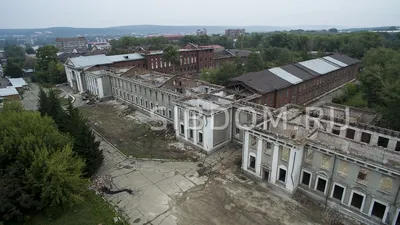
[211, 191]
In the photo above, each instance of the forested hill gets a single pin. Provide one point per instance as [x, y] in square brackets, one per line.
[151, 29]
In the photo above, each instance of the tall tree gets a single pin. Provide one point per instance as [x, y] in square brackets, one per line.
[254, 63]
[13, 70]
[380, 81]
[171, 55]
[85, 143]
[38, 170]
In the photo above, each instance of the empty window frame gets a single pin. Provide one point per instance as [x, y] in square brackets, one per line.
[252, 162]
[397, 149]
[350, 133]
[190, 133]
[282, 174]
[200, 137]
[169, 114]
[338, 192]
[382, 141]
[306, 178]
[378, 209]
[141, 102]
[362, 175]
[321, 184]
[253, 141]
[336, 130]
[268, 148]
[365, 137]
[237, 131]
[357, 200]
[182, 130]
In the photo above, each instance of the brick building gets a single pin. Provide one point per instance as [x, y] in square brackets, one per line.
[191, 61]
[295, 83]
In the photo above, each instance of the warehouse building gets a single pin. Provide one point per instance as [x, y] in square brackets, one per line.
[296, 83]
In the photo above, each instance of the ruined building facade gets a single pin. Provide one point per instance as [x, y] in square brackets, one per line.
[331, 153]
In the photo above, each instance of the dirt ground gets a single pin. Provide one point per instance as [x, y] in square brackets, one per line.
[130, 132]
[211, 190]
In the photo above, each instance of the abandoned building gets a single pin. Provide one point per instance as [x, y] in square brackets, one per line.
[296, 83]
[333, 154]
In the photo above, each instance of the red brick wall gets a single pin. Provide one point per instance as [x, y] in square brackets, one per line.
[310, 89]
[138, 63]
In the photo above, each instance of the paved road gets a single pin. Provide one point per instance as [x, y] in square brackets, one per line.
[30, 97]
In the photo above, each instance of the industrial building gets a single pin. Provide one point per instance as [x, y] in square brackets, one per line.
[296, 83]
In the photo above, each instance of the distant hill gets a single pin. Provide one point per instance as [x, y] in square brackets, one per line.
[150, 29]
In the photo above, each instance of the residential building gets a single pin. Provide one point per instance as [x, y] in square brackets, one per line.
[18, 83]
[9, 93]
[235, 32]
[72, 45]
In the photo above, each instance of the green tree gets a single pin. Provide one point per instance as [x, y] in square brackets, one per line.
[333, 30]
[285, 57]
[38, 170]
[29, 50]
[171, 55]
[222, 75]
[45, 55]
[56, 72]
[15, 51]
[46, 58]
[380, 81]
[85, 143]
[43, 102]
[254, 63]
[13, 70]
[71, 121]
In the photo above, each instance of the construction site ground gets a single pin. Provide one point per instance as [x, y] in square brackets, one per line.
[208, 190]
[129, 130]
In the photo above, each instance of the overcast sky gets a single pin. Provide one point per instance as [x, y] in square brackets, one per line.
[106, 13]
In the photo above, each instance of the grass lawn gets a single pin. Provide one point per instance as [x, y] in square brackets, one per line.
[356, 101]
[93, 211]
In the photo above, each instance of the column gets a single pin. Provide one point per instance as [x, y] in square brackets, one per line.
[374, 139]
[392, 144]
[186, 123]
[295, 160]
[176, 120]
[258, 158]
[208, 135]
[275, 158]
[245, 155]
[357, 135]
